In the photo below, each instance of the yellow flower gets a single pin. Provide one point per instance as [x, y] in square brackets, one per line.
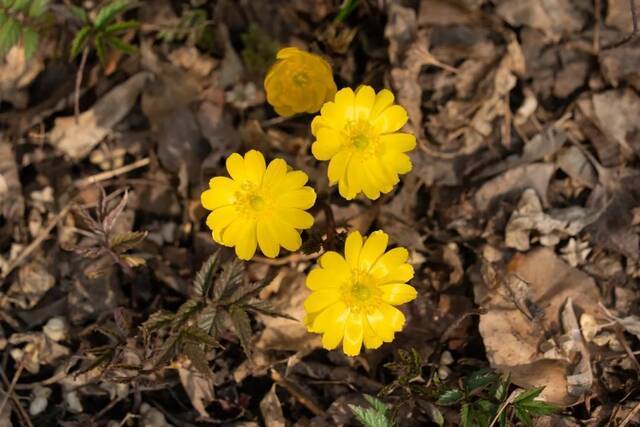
[358, 134]
[353, 297]
[259, 205]
[299, 82]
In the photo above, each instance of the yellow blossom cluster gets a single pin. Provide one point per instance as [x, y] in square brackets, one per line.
[353, 295]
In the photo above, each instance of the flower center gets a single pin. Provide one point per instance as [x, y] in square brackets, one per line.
[361, 293]
[251, 201]
[362, 138]
[301, 78]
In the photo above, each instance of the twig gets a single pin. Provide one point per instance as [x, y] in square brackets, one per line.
[103, 176]
[596, 31]
[293, 391]
[24, 417]
[14, 380]
[630, 415]
[331, 224]
[291, 259]
[34, 245]
[634, 32]
[79, 75]
[504, 406]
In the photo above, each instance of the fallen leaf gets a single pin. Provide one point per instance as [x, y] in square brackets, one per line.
[516, 320]
[16, 74]
[271, 409]
[11, 200]
[198, 387]
[616, 113]
[78, 138]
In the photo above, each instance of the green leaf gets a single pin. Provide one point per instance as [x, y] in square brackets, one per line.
[466, 418]
[38, 8]
[7, 3]
[229, 280]
[30, 39]
[210, 320]
[204, 278]
[372, 417]
[3, 18]
[347, 7]
[198, 358]
[479, 379]
[523, 416]
[19, 5]
[9, 35]
[107, 13]
[166, 352]
[79, 41]
[264, 307]
[196, 335]
[79, 13]
[121, 26]
[242, 326]
[121, 45]
[187, 310]
[158, 320]
[449, 397]
[528, 395]
[101, 49]
[124, 241]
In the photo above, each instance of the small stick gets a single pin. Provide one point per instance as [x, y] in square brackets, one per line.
[103, 176]
[76, 95]
[281, 381]
[291, 259]
[14, 380]
[630, 415]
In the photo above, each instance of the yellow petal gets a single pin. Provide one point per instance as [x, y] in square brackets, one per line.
[235, 167]
[384, 99]
[371, 339]
[247, 243]
[398, 293]
[393, 317]
[327, 144]
[221, 217]
[344, 101]
[332, 116]
[334, 331]
[373, 248]
[303, 198]
[391, 119]
[268, 242]
[364, 100]
[379, 325]
[275, 172]
[400, 162]
[232, 233]
[354, 176]
[297, 218]
[352, 248]
[389, 261]
[401, 274]
[319, 300]
[322, 279]
[326, 318]
[338, 166]
[318, 122]
[293, 180]
[221, 192]
[399, 142]
[288, 52]
[369, 186]
[255, 166]
[284, 110]
[334, 262]
[288, 237]
[353, 335]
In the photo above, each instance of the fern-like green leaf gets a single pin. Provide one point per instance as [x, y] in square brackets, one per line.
[30, 40]
[204, 278]
[242, 326]
[107, 13]
[9, 35]
[38, 8]
[79, 41]
[101, 49]
[119, 27]
[372, 417]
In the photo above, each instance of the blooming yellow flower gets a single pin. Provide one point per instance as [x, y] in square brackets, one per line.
[357, 132]
[259, 205]
[299, 82]
[353, 297]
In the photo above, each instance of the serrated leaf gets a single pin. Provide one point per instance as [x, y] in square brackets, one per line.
[229, 280]
[528, 395]
[244, 292]
[87, 220]
[377, 404]
[479, 379]
[242, 326]
[166, 352]
[198, 358]
[370, 417]
[124, 241]
[209, 320]
[111, 217]
[196, 335]
[523, 416]
[264, 307]
[121, 45]
[204, 278]
[38, 8]
[90, 252]
[9, 35]
[121, 26]
[30, 40]
[158, 320]
[449, 397]
[107, 13]
[187, 310]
